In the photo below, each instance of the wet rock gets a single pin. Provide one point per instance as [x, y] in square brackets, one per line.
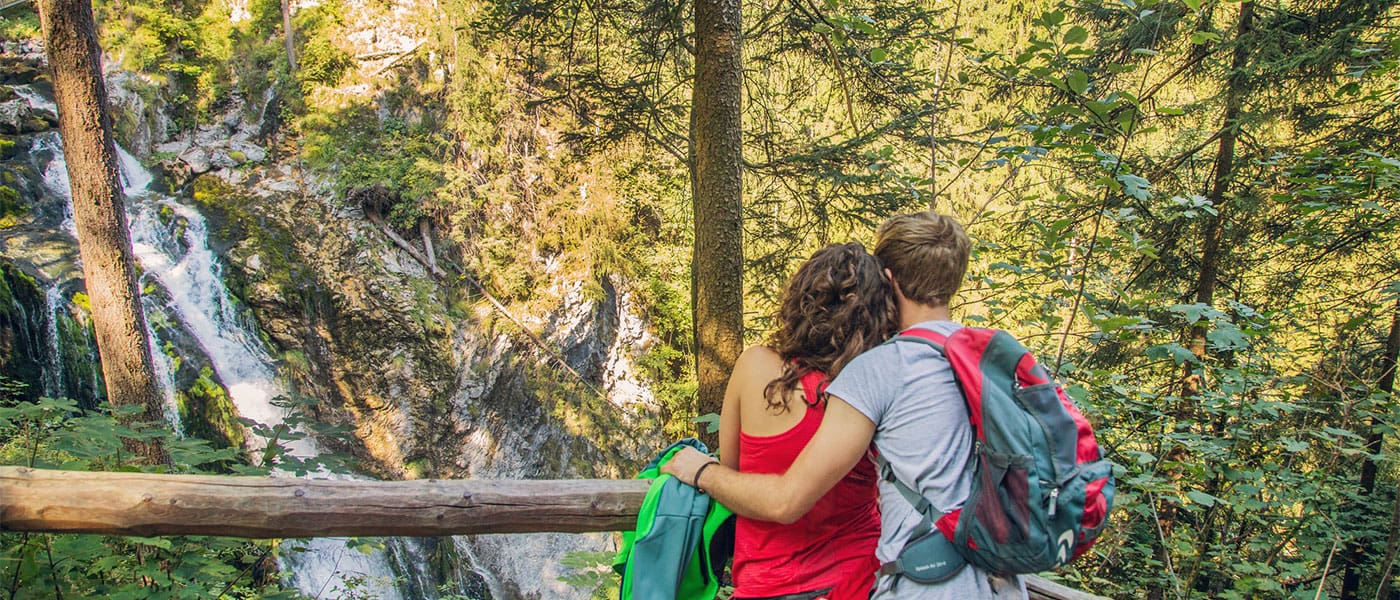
[19, 72]
[175, 147]
[198, 159]
[17, 116]
[222, 159]
[251, 152]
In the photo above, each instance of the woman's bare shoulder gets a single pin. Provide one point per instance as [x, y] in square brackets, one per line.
[758, 356]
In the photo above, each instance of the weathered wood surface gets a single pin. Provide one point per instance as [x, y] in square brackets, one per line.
[143, 504]
[277, 507]
[1041, 588]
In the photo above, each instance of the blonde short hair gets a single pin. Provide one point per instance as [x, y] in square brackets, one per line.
[927, 253]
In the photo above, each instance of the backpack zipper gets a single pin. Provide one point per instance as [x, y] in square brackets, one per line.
[1054, 500]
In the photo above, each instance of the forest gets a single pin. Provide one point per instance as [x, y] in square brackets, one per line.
[459, 239]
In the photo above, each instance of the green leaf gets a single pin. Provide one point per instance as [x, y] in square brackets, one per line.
[1076, 35]
[822, 28]
[1053, 17]
[1178, 353]
[162, 543]
[1194, 5]
[1202, 498]
[1226, 336]
[1078, 81]
[1195, 312]
[1135, 186]
[1111, 324]
[1203, 37]
[711, 421]
[878, 55]
[1293, 445]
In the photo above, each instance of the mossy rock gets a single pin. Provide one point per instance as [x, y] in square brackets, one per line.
[206, 412]
[12, 207]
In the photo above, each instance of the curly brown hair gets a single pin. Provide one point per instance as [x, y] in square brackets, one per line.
[837, 306]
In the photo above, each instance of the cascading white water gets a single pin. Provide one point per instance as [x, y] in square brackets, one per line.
[189, 272]
[56, 176]
[53, 372]
[164, 367]
[36, 100]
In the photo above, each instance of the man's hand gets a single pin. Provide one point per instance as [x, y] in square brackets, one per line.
[685, 463]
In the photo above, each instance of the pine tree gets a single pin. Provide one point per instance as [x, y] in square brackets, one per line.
[109, 270]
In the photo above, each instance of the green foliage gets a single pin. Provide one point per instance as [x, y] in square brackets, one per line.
[320, 59]
[183, 47]
[19, 23]
[54, 433]
[365, 152]
[591, 571]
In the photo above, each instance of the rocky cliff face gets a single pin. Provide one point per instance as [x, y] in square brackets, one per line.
[430, 380]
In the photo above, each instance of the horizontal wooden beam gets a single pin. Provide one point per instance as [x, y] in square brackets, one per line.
[143, 504]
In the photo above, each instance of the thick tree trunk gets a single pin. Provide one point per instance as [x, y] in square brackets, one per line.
[1356, 553]
[717, 268]
[70, 38]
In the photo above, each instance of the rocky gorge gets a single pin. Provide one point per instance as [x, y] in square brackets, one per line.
[427, 375]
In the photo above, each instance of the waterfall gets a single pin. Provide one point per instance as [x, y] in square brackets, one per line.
[170, 239]
[180, 260]
[53, 372]
[56, 177]
[175, 251]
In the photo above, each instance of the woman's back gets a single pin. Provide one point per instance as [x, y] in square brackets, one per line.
[833, 545]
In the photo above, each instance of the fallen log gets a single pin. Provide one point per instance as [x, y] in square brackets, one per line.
[145, 504]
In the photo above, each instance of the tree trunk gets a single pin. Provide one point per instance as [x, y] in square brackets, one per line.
[717, 268]
[1391, 543]
[1211, 254]
[287, 36]
[1220, 185]
[1356, 553]
[70, 38]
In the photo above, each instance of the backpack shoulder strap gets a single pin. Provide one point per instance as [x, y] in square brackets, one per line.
[921, 504]
[928, 337]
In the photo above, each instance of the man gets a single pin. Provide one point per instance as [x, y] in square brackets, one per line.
[901, 396]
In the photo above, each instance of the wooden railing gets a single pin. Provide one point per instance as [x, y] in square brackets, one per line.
[142, 504]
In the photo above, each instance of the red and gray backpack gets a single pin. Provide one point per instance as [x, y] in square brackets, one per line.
[1041, 489]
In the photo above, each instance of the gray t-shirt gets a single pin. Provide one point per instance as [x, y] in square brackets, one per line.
[921, 428]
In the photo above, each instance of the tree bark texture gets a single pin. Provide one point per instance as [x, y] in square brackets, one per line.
[717, 268]
[288, 38]
[70, 37]
[1356, 553]
[145, 504]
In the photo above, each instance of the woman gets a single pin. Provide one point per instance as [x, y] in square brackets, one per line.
[836, 306]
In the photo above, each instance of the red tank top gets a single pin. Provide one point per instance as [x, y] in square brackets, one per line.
[832, 546]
